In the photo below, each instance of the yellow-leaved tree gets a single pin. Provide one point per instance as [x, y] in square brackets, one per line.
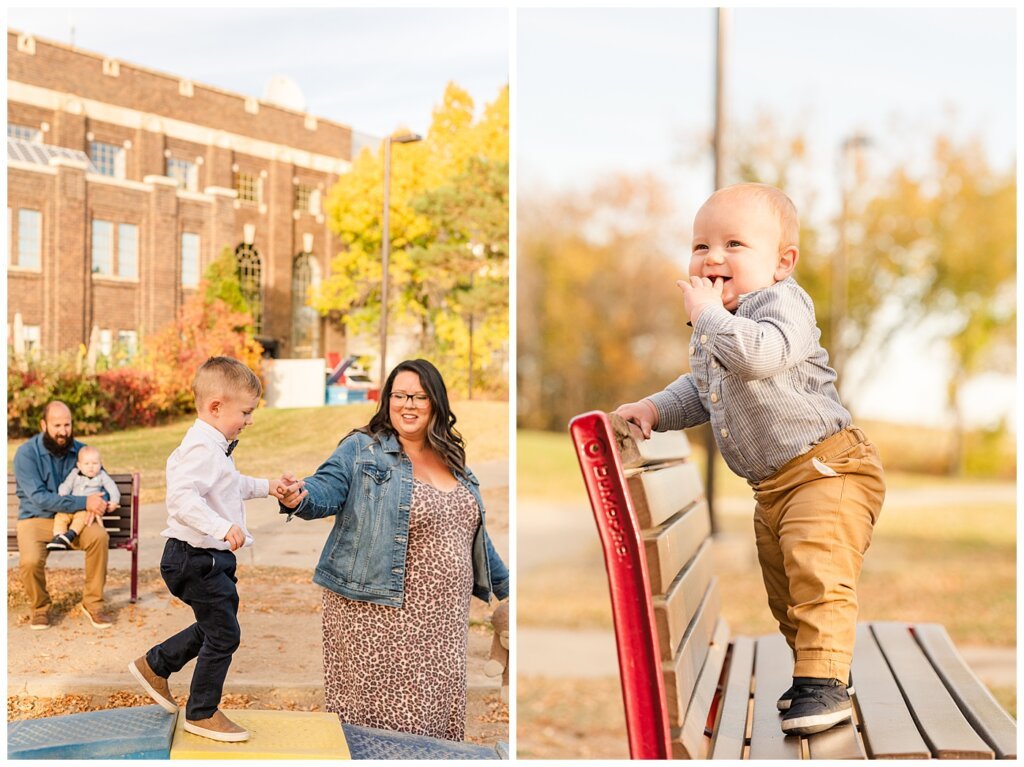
[449, 242]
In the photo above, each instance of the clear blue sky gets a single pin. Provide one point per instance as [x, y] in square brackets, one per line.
[606, 90]
[372, 69]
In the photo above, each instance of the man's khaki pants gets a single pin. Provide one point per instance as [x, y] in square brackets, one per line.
[33, 535]
[813, 524]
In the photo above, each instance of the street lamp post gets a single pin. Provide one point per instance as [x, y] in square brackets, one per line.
[840, 276]
[385, 246]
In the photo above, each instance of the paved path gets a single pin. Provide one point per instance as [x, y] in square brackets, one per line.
[73, 657]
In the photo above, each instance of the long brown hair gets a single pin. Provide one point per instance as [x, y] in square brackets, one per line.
[442, 437]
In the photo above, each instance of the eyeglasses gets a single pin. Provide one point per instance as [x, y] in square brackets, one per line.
[400, 398]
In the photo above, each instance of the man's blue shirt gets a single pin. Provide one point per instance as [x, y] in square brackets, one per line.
[38, 473]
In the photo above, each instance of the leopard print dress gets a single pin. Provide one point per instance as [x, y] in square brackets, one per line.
[405, 668]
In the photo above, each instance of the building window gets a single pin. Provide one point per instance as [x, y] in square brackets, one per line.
[30, 238]
[128, 343]
[184, 172]
[106, 342]
[128, 251]
[31, 336]
[248, 187]
[108, 158]
[305, 319]
[250, 280]
[189, 260]
[307, 199]
[102, 247]
[24, 133]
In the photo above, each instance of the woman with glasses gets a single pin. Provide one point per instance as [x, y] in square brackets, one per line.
[407, 550]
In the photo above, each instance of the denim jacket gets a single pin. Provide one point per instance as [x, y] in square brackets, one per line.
[366, 484]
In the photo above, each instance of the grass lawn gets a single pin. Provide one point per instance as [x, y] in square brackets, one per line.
[291, 439]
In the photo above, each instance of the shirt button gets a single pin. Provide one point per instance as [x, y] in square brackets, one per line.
[725, 433]
[703, 339]
[692, 350]
[714, 397]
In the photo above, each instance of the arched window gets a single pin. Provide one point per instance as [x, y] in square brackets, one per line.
[250, 279]
[305, 319]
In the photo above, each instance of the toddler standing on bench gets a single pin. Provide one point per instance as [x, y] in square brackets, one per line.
[761, 377]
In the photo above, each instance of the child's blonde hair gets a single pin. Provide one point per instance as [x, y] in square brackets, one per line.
[88, 450]
[225, 376]
[780, 204]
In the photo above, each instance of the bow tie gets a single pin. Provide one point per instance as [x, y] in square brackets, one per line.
[231, 446]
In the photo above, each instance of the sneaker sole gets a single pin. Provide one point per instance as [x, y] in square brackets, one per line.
[39, 628]
[783, 705]
[167, 705]
[95, 625]
[808, 725]
[224, 737]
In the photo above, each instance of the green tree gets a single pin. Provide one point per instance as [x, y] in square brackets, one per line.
[222, 284]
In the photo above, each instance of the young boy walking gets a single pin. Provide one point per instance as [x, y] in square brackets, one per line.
[761, 377]
[205, 525]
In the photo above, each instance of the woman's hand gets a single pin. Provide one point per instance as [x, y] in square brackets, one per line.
[290, 490]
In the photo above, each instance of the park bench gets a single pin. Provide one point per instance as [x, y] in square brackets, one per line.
[692, 692]
[121, 525]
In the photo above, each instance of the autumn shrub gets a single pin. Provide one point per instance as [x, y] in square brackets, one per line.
[128, 394]
[204, 328]
[30, 388]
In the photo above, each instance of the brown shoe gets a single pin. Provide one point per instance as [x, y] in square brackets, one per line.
[217, 727]
[155, 685]
[39, 622]
[98, 618]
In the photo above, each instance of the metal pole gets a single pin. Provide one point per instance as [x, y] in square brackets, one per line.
[385, 253]
[722, 36]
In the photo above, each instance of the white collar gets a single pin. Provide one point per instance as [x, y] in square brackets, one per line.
[211, 433]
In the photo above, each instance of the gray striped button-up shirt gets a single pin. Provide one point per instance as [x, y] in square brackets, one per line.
[762, 379]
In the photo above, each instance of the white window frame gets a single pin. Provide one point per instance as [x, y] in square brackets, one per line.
[20, 246]
[24, 133]
[124, 256]
[97, 224]
[195, 259]
[185, 172]
[97, 153]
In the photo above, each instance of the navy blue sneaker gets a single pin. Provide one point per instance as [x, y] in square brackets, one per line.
[786, 699]
[62, 541]
[817, 707]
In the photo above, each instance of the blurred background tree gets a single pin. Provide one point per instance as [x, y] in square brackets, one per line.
[599, 315]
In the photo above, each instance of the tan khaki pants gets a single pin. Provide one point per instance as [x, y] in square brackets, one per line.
[65, 520]
[813, 525]
[33, 535]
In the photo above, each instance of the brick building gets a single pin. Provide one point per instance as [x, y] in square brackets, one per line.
[125, 183]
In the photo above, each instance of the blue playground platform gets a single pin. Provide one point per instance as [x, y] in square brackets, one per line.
[149, 732]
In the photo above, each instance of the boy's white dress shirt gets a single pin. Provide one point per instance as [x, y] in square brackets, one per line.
[205, 492]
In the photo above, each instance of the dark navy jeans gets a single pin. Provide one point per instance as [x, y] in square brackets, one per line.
[204, 579]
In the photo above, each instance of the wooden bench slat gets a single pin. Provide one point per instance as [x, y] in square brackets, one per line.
[731, 732]
[888, 728]
[673, 611]
[841, 742]
[773, 668]
[681, 673]
[672, 545]
[663, 492]
[690, 742]
[976, 703]
[942, 725]
[661, 447]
